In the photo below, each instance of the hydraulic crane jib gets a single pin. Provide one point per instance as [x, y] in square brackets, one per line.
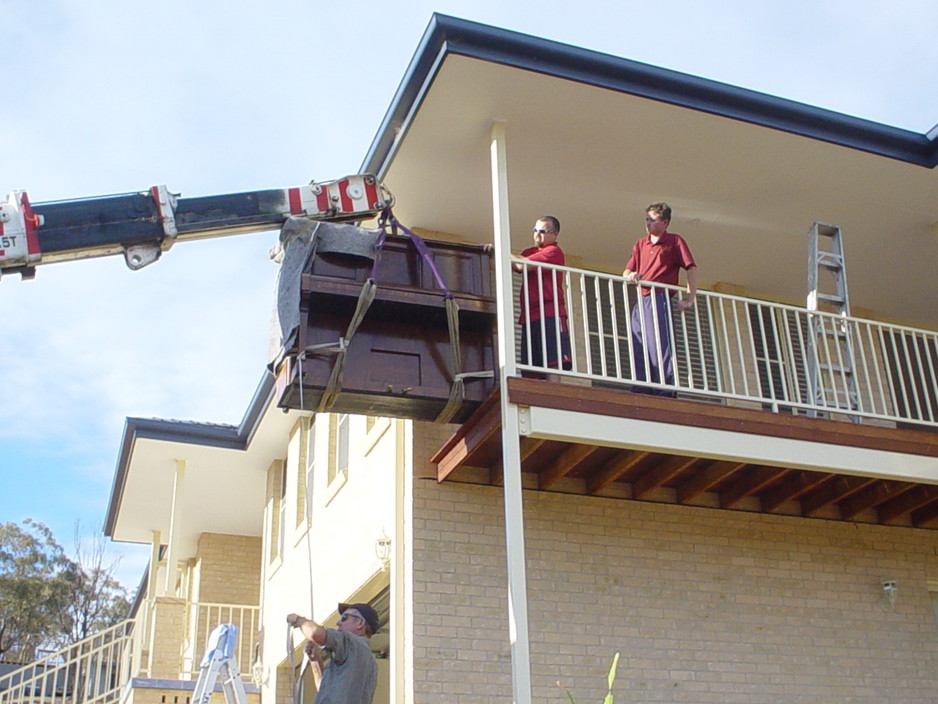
[143, 225]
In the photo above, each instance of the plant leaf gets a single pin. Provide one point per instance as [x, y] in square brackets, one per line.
[612, 675]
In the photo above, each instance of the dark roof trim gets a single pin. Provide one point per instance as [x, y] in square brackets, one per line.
[226, 437]
[449, 35]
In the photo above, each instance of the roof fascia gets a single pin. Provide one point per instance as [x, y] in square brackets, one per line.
[449, 35]
[226, 437]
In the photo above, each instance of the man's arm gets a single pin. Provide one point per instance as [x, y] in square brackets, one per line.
[630, 276]
[688, 302]
[309, 628]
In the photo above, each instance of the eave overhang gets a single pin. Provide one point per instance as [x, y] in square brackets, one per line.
[447, 35]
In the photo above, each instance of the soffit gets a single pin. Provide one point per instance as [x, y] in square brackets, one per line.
[744, 195]
[224, 488]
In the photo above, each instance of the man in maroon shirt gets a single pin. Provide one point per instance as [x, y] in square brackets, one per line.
[658, 258]
[543, 316]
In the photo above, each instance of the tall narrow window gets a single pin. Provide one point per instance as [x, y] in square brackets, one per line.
[282, 510]
[912, 362]
[338, 447]
[779, 339]
[310, 473]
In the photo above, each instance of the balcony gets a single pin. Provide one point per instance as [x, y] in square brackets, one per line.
[745, 352]
[100, 668]
[773, 408]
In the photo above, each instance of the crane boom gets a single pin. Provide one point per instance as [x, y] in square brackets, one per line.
[143, 225]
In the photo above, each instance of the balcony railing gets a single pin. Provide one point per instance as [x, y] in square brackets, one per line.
[91, 671]
[730, 349]
[203, 617]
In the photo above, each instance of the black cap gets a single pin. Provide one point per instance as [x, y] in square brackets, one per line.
[368, 613]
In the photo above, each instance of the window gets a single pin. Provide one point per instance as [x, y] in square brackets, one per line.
[375, 428]
[337, 473]
[305, 508]
[912, 363]
[608, 308]
[282, 510]
[779, 339]
[694, 350]
[608, 311]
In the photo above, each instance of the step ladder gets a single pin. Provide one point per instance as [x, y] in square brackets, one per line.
[220, 661]
[830, 349]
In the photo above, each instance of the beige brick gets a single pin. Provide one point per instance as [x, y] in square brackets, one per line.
[704, 605]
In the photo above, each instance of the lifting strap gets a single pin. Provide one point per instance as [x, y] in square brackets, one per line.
[457, 387]
[367, 295]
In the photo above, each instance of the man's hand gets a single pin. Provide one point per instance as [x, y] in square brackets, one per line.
[295, 620]
[685, 304]
[631, 276]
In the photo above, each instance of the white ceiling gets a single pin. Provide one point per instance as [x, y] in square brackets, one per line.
[224, 489]
[743, 195]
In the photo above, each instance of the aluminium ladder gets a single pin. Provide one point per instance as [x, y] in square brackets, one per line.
[220, 660]
[830, 350]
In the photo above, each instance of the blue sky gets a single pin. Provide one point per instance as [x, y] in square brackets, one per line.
[106, 96]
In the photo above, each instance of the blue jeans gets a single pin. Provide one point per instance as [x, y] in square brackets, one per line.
[651, 319]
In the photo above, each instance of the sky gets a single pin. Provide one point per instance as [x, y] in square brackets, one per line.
[109, 96]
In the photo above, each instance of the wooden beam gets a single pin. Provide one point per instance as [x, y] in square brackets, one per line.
[835, 488]
[528, 447]
[791, 488]
[571, 458]
[612, 471]
[622, 404]
[910, 501]
[873, 495]
[483, 427]
[662, 474]
[749, 482]
[921, 518]
[701, 481]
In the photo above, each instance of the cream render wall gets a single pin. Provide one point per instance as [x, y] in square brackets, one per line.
[704, 605]
[332, 558]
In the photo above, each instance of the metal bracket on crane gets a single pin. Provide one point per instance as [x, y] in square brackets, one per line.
[19, 246]
[140, 255]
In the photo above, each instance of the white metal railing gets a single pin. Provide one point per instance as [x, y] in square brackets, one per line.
[91, 671]
[730, 349]
[204, 617]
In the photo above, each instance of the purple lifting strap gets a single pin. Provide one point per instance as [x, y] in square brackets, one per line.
[388, 217]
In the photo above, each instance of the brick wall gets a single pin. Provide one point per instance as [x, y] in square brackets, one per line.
[169, 615]
[229, 569]
[704, 605]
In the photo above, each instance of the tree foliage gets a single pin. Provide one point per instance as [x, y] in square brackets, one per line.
[47, 599]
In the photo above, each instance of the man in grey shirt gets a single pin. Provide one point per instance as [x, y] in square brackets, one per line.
[352, 673]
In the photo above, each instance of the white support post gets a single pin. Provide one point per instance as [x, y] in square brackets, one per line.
[511, 448]
[154, 564]
[172, 548]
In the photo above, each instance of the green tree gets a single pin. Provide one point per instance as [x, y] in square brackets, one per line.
[94, 599]
[32, 594]
[48, 600]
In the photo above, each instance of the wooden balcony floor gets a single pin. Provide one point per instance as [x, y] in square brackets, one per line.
[473, 454]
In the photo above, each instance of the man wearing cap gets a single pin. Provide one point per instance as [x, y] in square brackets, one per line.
[352, 673]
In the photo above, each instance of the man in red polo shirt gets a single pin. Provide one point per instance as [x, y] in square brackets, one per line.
[657, 258]
[545, 340]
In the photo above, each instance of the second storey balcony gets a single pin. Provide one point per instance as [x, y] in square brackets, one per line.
[770, 407]
[729, 349]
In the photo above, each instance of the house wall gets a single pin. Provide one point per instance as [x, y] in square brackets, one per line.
[229, 569]
[704, 605]
[330, 558]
